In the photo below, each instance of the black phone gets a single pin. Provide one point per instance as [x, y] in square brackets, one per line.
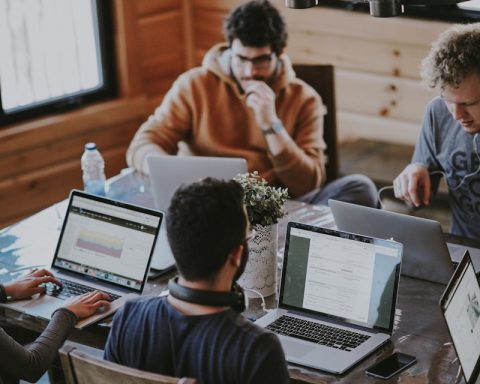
[391, 365]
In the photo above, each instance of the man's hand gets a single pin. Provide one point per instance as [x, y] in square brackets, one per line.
[30, 284]
[261, 98]
[86, 305]
[413, 185]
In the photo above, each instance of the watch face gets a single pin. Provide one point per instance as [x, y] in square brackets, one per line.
[277, 126]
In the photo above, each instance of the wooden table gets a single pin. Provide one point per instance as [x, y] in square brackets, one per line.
[419, 326]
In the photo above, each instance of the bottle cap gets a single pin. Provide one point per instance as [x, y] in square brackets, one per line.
[90, 146]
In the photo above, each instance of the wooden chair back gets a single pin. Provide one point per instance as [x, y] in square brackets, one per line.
[85, 365]
[321, 78]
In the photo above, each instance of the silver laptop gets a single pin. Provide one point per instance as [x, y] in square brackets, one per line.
[337, 297]
[460, 305]
[105, 245]
[167, 173]
[425, 254]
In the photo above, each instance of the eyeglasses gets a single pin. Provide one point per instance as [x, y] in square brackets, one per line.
[259, 62]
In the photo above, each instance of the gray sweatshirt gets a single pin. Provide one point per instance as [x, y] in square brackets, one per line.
[31, 361]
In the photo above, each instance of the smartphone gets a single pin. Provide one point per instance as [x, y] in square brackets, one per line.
[391, 365]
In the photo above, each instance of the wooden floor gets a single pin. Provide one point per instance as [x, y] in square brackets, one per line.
[382, 162]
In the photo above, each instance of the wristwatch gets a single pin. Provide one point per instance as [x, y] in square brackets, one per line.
[276, 128]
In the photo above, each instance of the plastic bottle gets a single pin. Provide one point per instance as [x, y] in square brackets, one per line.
[93, 167]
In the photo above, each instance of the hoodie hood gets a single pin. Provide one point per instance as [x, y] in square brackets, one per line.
[217, 61]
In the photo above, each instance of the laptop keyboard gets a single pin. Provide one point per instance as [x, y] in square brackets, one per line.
[317, 333]
[71, 288]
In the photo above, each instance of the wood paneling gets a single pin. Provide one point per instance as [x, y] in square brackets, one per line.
[159, 34]
[355, 125]
[369, 56]
[361, 26]
[40, 160]
[209, 30]
[154, 7]
[36, 190]
[381, 96]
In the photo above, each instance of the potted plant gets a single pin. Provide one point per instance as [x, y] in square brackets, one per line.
[265, 206]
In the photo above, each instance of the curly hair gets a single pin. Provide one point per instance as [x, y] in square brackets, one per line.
[453, 57]
[256, 24]
[206, 220]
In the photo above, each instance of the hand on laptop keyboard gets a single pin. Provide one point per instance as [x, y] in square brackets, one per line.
[87, 304]
[31, 284]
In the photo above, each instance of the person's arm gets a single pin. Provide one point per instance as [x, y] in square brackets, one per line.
[168, 125]
[298, 161]
[30, 362]
[414, 184]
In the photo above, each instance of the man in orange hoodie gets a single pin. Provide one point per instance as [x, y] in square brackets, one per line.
[245, 101]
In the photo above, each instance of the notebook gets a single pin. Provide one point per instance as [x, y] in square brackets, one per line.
[105, 245]
[167, 173]
[337, 297]
[460, 306]
[425, 254]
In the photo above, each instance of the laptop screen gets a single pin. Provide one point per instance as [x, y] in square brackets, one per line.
[107, 240]
[461, 308]
[340, 275]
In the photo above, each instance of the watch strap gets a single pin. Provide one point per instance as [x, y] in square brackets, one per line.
[274, 129]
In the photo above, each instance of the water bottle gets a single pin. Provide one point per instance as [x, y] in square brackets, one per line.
[93, 170]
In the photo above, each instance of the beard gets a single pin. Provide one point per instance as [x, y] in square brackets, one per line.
[243, 261]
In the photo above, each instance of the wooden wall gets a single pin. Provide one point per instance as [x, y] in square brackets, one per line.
[378, 92]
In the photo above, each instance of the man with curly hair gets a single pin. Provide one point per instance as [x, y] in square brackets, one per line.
[448, 142]
[245, 101]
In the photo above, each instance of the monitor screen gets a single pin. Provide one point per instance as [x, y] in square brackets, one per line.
[461, 309]
[341, 275]
[107, 241]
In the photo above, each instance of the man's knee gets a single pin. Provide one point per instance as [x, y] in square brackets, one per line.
[358, 189]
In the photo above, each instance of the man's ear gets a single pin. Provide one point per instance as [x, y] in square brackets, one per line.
[235, 256]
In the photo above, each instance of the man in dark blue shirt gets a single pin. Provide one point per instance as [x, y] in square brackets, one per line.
[196, 331]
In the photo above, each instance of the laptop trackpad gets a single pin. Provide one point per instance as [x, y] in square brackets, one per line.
[296, 350]
[42, 306]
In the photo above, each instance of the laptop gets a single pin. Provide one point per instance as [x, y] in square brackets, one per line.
[425, 254]
[338, 295]
[460, 305]
[103, 245]
[167, 173]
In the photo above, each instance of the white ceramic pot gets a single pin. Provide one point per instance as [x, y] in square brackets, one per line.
[261, 269]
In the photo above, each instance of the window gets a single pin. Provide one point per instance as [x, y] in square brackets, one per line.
[56, 54]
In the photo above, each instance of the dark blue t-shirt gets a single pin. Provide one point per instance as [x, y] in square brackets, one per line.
[149, 334]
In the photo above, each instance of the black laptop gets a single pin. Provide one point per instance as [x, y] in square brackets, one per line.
[460, 304]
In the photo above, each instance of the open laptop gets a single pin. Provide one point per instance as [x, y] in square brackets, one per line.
[167, 173]
[460, 305]
[105, 245]
[425, 254]
[337, 297]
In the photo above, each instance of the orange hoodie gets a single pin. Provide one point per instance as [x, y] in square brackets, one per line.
[207, 109]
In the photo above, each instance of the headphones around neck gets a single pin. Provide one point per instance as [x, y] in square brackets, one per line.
[235, 298]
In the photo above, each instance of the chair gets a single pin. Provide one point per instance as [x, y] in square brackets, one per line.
[321, 78]
[85, 365]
